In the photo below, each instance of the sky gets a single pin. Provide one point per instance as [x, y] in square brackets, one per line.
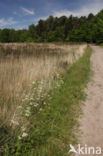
[19, 14]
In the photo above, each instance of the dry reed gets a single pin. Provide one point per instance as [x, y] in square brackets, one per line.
[22, 64]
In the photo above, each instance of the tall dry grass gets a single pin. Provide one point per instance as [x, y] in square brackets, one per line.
[22, 64]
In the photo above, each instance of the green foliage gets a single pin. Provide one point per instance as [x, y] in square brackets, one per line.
[57, 35]
[54, 128]
[32, 33]
[75, 29]
[4, 35]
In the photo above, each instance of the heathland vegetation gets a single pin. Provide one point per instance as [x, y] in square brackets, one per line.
[40, 91]
[42, 84]
[72, 29]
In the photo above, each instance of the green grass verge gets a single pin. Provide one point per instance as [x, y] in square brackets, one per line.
[101, 45]
[54, 128]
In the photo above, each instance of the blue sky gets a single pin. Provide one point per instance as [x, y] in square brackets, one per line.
[19, 14]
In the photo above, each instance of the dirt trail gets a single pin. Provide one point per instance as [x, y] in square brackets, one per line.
[91, 123]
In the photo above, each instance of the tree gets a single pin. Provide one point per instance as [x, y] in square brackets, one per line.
[4, 35]
[57, 35]
[90, 17]
[32, 33]
[75, 29]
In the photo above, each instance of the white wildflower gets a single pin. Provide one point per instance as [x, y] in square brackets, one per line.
[24, 134]
[40, 109]
[27, 111]
[33, 82]
[14, 122]
[36, 104]
[23, 128]
[28, 108]
[27, 114]
[19, 137]
[31, 99]
[19, 107]
[31, 104]
[44, 103]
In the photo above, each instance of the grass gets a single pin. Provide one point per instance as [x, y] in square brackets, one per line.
[36, 49]
[54, 127]
[29, 73]
[23, 64]
[101, 45]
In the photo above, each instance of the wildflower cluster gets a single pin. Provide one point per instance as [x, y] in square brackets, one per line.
[35, 101]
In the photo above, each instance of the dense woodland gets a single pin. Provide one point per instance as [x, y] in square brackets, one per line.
[53, 29]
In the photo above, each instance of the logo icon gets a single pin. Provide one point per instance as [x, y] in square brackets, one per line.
[85, 150]
[72, 149]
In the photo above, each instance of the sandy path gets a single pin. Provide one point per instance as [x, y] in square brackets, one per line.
[91, 123]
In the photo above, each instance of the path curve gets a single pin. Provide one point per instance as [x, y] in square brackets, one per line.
[91, 123]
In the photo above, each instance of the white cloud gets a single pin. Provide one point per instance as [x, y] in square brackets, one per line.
[93, 7]
[27, 11]
[9, 21]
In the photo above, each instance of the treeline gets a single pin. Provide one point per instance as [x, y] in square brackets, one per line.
[53, 29]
